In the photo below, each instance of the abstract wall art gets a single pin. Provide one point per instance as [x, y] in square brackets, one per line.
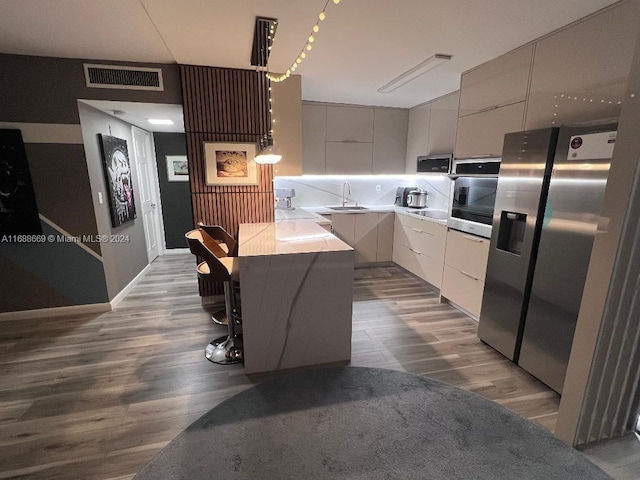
[117, 174]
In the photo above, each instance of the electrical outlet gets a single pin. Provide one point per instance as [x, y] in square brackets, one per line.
[100, 201]
[378, 188]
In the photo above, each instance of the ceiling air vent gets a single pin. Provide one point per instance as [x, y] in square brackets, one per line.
[123, 77]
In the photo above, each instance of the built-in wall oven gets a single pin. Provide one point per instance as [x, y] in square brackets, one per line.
[473, 195]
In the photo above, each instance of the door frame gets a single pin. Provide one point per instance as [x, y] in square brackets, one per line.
[162, 244]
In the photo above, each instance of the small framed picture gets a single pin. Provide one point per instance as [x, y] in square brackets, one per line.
[177, 168]
[230, 163]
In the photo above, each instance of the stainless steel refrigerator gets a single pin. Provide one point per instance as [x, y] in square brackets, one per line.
[548, 201]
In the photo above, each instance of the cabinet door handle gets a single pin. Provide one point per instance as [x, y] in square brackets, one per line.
[421, 231]
[473, 239]
[486, 109]
[469, 275]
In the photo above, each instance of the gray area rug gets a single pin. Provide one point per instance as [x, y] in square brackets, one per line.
[364, 423]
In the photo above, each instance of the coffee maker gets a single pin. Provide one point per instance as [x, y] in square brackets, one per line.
[283, 198]
[401, 195]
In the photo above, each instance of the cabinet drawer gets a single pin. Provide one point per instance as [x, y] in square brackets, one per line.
[425, 243]
[463, 290]
[423, 266]
[467, 253]
[403, 256]
[421, 224]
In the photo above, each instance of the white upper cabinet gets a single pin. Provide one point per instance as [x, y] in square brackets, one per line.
[501, 81]
[442, 127]
[482, 134]
[350, 140]
[418, 135]
[389, 140]
[432, 129]
[314, 122]
[580, 73]
[349, 124]
[349, 158]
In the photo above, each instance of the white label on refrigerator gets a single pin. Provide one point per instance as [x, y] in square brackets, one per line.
[592, 146]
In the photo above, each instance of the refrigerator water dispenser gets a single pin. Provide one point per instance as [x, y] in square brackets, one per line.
[511, 232]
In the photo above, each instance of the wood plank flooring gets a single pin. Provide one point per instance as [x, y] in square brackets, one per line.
[97, 396]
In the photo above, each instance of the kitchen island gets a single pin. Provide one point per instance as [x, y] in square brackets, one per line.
[296, 283]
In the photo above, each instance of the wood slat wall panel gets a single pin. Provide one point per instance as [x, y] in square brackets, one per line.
[225, 105]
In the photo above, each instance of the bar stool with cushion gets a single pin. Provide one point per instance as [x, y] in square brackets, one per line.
[221, 244]
[222, 238]
[227, 349]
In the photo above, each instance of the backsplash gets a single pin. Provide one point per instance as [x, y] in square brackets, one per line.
[326, 190]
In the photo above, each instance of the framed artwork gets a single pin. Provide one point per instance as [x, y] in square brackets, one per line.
[117, 174]
[18, 208]
[230, 163]
[177, 168]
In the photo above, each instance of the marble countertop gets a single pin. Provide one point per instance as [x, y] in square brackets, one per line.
[439, 216]
[286, 237]
[299, 214]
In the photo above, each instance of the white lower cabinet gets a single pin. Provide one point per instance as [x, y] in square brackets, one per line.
[418, 246]
[465, 267]
[368, 233]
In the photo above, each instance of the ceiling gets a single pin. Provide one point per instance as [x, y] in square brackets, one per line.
[361, 45]
[138, 114]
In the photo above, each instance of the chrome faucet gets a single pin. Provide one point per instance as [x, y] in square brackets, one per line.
[346, 187]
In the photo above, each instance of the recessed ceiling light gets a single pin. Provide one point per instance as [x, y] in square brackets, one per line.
[160, 121]
[414, 72]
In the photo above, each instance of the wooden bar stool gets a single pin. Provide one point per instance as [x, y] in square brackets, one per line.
[227, 349]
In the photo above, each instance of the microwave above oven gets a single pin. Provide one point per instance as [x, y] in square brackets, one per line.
[434, 164]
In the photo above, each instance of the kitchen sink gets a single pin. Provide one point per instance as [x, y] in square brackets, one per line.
[357, 207]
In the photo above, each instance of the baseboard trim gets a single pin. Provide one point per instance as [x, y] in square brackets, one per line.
[56, 311]
[176, 251]
[125, 291]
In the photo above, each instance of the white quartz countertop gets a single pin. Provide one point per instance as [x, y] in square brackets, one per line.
[286, 237]
[299, 214]
[433, 215]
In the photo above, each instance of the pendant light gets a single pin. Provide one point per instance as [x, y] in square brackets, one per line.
[264, 34]
[269, 154]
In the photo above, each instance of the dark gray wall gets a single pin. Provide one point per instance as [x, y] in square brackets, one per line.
[42, 90]
[175, 196]
[45, 90]
[122, 261]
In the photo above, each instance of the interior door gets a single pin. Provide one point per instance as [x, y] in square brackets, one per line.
[145, 162]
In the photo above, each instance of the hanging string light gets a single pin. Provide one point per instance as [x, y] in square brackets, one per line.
[274, 77]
